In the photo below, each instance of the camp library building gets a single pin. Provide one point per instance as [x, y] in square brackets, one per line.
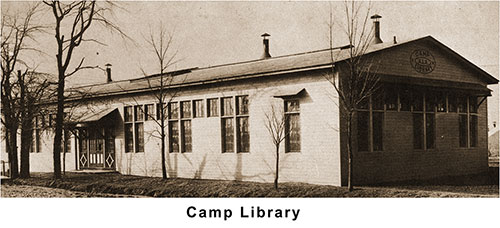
[428, 119]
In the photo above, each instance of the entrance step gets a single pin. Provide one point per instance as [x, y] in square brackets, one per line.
[95, 171]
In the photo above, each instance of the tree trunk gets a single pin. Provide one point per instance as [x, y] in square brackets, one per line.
[59, 127]
[26, 140]
[163, 166]
[276, 175]
[12, 140]
[349, 151]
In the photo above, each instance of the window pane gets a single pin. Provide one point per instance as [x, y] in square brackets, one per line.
[292, 106]
[441, 102]
[462, 126]
[173, 130]
[473, 104]
[198, 108]
[473, 131]
[364, 104]
[418, 131]
[213, 108]
[243, 135]
[430, 128]
[405, 99]
[139, 113]
[139, 137]
[430, 102]
[452, 103]
[363, 132]
[227, 135]
[242, 105]
[128, 114]
[378, 131]
[38, 141]
[378, 100]
[391, 98]
[417, 101]
[150, 112]
[186, 109]
[292, 129]
[129, 138]
[186, 136]
[173, 110]
[65, 142]
[462, 104]
[227, 108]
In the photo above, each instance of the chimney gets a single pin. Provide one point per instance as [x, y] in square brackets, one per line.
[376, 25]
[265, 41]
[395, 40]
[108, 72]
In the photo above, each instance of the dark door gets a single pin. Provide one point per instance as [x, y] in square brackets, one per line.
[97, 149]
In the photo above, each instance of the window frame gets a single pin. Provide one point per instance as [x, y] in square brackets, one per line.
[134, 122]
[288, 114]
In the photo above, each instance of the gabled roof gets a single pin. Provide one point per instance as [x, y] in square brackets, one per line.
[307, 61]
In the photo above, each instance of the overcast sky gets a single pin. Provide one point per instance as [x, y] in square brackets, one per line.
[212, 33]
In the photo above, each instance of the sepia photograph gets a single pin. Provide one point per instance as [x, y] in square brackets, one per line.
[226, 99]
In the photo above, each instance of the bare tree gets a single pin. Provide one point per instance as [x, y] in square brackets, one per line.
[160, 84]
[72, 21]
[17, 30]
[275, 123]
[354, 79]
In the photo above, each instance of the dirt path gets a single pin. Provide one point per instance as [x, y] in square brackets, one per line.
[25, 191]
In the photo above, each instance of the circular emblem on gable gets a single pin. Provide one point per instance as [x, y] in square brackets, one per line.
[422, 61]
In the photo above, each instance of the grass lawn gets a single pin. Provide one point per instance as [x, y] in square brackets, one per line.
[112, 183]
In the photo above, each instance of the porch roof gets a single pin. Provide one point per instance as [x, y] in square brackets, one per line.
[92, 116]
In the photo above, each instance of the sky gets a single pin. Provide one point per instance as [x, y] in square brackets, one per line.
[213, 33]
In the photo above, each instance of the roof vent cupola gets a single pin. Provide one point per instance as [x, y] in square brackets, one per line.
[265, 41]
[376, 26]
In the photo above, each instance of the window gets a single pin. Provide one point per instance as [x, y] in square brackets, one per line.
[36, 145]
[212, 107]
[179, 127]
[128, 114]
[198, 110]
[391, 98]
[186, 126]
[452, 103]
[173, 127]
[234, 124]
[430, 128]
[418, 131]
[468, 121]
[227, 106]
[139, 137]
[441, 102]
[292, 126]
[417, 101]
[378, 123]
[363, 130]
[227, 135]
[473, 130]
[129, 138]
[424, 126]
[405, 99]
[66, 142]
[134, 128]
[463, 129]
[139, 113]
[149, 112]
[227, 124]
[242, 131]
